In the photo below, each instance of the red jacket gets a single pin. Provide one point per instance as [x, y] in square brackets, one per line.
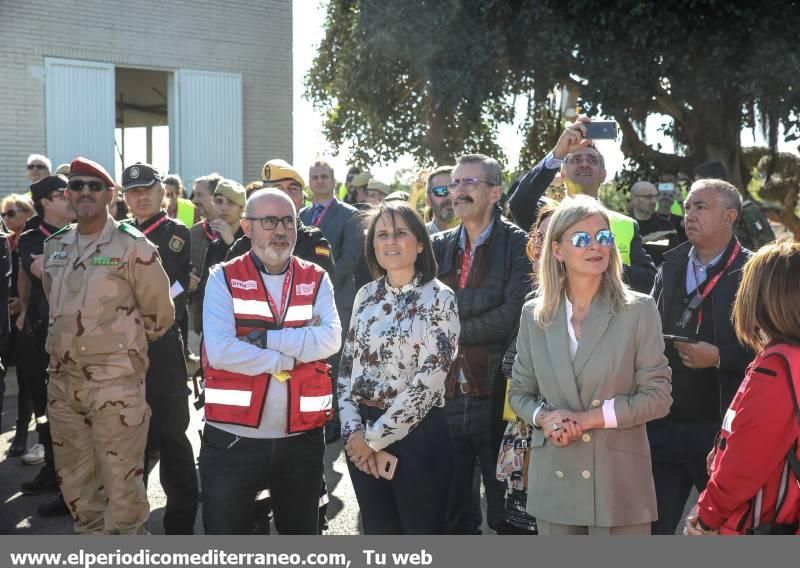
[234, 398]
[751, 478]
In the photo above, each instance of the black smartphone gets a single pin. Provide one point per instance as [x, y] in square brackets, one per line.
[601, 130]
[668, 337]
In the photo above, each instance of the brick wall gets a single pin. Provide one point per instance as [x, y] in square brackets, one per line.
[250, 37]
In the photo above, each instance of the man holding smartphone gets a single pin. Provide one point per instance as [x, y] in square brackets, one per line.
[694, 291]
[583, 169]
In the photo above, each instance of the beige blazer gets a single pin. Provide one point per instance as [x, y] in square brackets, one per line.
[604, 479]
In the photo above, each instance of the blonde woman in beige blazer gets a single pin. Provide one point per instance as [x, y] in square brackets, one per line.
[590, 373]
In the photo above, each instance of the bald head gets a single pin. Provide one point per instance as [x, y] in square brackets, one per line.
[262, 201]
[643, 200]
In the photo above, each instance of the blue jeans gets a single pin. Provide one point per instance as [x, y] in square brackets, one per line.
[473, 435]
[679, 453]
[233, 470]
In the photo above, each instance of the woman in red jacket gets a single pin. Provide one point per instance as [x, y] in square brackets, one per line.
[754, 486]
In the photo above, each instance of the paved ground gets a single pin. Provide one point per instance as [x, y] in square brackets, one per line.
[17, 511]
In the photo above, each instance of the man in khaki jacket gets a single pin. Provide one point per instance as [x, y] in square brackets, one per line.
[109, 296]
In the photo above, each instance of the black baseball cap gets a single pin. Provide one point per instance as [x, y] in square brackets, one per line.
[139, 175]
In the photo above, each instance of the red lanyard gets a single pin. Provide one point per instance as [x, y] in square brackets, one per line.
[287, 282]
[208, 231]
[713, 282]
[466, 264]
[322, 214]
[155, 225]
[47, 234]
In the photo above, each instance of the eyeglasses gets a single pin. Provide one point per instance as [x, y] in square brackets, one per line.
[269, 223]
[582, 239]
[10, 214]
[37, 167]
[77, 185]
[440, 190]
[468, 183]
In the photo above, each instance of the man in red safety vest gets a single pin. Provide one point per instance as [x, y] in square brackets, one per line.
[270, 322]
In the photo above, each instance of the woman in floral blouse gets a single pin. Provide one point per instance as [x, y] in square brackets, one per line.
[402, 339]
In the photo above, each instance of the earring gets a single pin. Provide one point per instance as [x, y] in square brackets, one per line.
[419, 250]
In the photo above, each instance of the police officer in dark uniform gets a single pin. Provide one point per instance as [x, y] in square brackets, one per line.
[167, 391]
[52, 213]
[311, 245]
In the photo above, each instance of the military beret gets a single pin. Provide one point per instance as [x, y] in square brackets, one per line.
[139, 175]
[361, 179]
[233, 191]
[376, 185]
[81, 166]
[279, 170]
[45, 186]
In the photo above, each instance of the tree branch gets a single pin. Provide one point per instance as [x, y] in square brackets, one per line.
[633, 147]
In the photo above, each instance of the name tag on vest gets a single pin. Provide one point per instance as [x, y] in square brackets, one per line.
[244, 284]
[305, 289]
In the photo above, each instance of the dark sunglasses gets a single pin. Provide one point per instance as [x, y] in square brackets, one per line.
[582, 239]
[269, 223]
[37, 166]
[94, 186]
[440, 190]
[10, 214]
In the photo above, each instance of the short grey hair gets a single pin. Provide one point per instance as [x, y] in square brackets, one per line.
[730, 196]
[40, 158]
[492, 172]
[266, 193]
[211, 179]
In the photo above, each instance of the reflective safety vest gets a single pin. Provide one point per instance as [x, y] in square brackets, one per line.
[623, 228]
[185, 212]
[235, 398]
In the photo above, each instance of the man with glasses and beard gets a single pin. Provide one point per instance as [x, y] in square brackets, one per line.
[270, 322]
[484, 261]
[439, 201]
[109, 296]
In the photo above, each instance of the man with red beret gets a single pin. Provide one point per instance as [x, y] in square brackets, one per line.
[109, 296]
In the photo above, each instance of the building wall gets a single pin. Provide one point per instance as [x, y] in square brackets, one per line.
[250, 37]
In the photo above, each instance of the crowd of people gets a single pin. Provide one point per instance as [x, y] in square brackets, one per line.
[586, 367]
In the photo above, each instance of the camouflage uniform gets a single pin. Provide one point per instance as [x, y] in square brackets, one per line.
[106, 302]
[753, 229]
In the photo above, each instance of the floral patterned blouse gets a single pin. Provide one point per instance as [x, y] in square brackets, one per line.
[398, 350]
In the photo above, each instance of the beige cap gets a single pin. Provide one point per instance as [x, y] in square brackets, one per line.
[233, 191]
[379, 186]
[361, 179]
[278, 170]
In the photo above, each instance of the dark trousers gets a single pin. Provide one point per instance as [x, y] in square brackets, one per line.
[473, 434]
[679, 453]
[415, 500]
[23, 363]
[167, 395]
[233, 470]
[33, 358]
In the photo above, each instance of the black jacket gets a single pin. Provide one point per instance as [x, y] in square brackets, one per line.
[490, 315]
[734, 357]
[524, 206]
[310, 246]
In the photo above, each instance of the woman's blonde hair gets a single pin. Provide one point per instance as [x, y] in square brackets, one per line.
[766, 306]
[18, 200]
[552, 275]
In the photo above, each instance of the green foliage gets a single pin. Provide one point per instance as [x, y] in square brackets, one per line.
[434, 78]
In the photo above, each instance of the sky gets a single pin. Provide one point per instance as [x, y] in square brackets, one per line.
[310, 143]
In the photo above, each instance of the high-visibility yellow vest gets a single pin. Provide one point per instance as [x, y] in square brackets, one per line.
[676, 209]
[623, 228]
[185, 212]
